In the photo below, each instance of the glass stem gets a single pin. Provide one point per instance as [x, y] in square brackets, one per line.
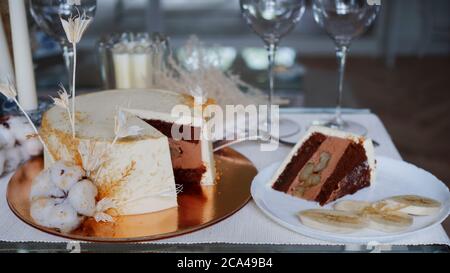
[341, 54]
[272, 50]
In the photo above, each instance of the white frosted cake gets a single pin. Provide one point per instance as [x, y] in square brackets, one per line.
[139, 173]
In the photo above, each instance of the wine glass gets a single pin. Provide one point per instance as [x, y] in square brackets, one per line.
[272, 20]
[344, 20]
[48, 14]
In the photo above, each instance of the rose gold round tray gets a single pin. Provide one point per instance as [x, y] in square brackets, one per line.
[198, 206]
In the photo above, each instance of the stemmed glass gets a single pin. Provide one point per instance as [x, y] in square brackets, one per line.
[344, 20]
[272, 20]
[47, 14]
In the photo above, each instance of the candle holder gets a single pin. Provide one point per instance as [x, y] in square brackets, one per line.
[11, 109]
[126, 59]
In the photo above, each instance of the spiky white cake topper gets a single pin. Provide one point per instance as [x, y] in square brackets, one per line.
[101, 208]
[199, 95]
[74, 27]
[121, 129]
[63, 102]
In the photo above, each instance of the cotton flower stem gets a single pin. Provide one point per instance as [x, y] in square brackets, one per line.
[73, 88]
[69, 113]
[34, 128]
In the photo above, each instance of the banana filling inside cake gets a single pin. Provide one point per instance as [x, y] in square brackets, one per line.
[325, 166]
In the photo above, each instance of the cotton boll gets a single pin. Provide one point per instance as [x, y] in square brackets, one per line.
[65, 175]
[24, 155]
[43, 187]
[20, 128]
[13, 159]
[82, 197]
[7, 138]
[41, 211]
[32, 147]
[59, 198]
[64, 217]
[51, 213]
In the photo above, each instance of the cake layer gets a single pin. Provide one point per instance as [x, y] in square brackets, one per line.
[310, 187]
[296, 162]
[352, 174]
[326, 165]
[186, 155]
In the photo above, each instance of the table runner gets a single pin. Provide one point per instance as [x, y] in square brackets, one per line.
[249, 225]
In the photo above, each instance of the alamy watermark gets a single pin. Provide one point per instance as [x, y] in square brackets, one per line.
[213, 122]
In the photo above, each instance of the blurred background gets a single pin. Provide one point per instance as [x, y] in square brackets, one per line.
[399, 69]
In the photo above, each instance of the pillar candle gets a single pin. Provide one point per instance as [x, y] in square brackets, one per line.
[122, 67]
[23, 62]
[122, 70]
[140, 68]
[6, 69]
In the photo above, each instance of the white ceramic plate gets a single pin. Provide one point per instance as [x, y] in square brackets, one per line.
[393, 177]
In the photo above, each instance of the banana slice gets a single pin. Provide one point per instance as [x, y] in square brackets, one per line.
[390, 221]
[352, 206]
[332, 220]
[414, 204]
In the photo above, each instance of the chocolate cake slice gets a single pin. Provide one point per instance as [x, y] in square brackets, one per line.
[326, 165]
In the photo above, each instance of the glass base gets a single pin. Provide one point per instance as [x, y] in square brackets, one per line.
[347, 126]
[288, 128]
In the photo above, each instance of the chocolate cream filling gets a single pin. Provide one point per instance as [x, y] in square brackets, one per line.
[324, 169]
[320, 166]
[297, 162]
[350, 175]
[186, 154]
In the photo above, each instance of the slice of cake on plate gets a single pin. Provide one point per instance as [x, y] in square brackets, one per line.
[325, 165]
[138, 172]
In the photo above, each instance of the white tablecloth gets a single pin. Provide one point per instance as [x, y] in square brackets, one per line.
[249, 225]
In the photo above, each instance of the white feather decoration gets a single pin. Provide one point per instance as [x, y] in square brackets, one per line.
[102, 206]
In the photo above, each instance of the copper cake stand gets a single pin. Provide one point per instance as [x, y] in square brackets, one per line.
[198, 206]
